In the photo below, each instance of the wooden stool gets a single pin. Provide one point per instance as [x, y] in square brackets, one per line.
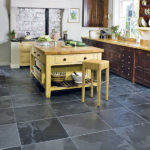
[97, 65]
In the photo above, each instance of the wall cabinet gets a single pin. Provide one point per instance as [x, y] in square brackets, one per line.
[95, 13]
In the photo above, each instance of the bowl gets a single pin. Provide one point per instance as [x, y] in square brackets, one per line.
[77, 76]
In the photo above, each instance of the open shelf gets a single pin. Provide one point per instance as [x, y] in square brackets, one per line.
[144, 28]
[57, 88]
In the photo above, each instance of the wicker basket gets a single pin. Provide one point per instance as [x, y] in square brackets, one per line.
[58, 76]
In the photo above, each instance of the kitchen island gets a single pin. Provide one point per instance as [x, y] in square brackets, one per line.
[45, 60]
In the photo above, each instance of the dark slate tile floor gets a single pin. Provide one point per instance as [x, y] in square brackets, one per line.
[29, 121]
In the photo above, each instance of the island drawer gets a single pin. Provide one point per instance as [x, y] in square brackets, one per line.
[72, 59]
[63, 59]
[82, 57]
[37, 54]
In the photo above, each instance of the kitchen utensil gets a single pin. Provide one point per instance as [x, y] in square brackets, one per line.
[94, 34]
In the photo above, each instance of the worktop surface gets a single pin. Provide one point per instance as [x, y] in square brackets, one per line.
[121, 43]
[72, 50]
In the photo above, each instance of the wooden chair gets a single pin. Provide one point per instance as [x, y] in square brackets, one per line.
[97, 65]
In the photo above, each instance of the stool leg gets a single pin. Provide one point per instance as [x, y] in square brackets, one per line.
[107, 82]
[83, 84]
[99, 88]
[92, 78]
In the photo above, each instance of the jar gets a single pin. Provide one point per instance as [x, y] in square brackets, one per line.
[144, 2]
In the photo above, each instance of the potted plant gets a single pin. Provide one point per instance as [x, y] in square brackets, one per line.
[115, 33]
[13, 34]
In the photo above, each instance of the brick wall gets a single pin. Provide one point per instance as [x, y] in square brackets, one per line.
[33, 21]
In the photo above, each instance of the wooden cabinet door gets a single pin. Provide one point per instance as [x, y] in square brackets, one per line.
[95, 13]
[25, 48]
[114, 59]
[139, 56]
[146, 61]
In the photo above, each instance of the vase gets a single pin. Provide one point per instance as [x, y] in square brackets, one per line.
[113, 36]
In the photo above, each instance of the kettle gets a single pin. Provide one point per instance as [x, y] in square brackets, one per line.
[27, 36]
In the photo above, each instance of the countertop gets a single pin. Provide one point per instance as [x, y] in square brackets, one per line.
[121, 43]
[72, 50]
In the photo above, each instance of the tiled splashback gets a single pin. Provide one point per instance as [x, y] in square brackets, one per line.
[33, 21]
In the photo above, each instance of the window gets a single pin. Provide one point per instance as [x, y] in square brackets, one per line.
[128, 17]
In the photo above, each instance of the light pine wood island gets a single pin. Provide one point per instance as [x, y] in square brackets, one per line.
[59, 59]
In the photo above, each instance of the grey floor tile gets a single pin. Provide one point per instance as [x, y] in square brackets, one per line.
[138, 88]
[110, 104]
[115, 91]
[5, 102]
[29, 100]
[69, 108]
[145, 94]
[23, 90]
[119, 117]
[121, 81]
[9, 136]
[138, 136]
[83, 124]
[14, 148]
[142, 110]
[20, 82]
[131, 99]
[63, 96]
[40, 131]
[107, 140]
[4, 91]
[64, 144]
[33, 113]
[7, 116]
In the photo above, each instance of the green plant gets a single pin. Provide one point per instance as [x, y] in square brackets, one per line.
[12, 34]
[114, 29]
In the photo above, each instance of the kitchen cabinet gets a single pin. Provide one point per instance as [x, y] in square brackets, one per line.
[95, 13]
[20, 54]
[142, 67]
[25, 48]
[120, 57]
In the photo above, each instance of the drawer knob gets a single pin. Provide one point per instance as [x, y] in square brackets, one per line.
[34, 52]
[85, 58]
[38, 55]
[129, 56]
[147, 54]
[128, 62]
[64, 59]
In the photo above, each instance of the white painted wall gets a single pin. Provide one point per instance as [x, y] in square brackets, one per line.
[116, 10]
[75, 30]
[4, 30]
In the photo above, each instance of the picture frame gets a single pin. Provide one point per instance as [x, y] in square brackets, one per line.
[74, 15]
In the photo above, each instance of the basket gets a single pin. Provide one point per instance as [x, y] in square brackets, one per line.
[58, 76]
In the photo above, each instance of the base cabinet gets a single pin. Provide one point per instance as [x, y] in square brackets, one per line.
[25, 48]
[132, 64]
[142, 67]
[120, 57]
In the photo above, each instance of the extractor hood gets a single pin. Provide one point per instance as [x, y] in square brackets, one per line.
[61, 4]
